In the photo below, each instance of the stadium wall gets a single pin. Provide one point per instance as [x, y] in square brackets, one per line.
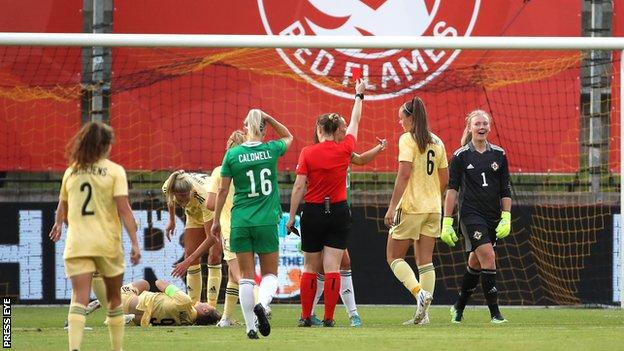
[32, 267]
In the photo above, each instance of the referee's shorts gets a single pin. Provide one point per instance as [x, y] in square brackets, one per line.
[320, 229]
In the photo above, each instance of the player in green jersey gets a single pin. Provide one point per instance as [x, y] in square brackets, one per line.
[252, 166]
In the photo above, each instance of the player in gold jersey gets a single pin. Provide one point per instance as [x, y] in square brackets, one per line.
[93, 199]
[414, 212]
[190, 191]
[168, 307]
[231, 292]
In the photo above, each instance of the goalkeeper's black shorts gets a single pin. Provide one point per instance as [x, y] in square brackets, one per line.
[477, 233]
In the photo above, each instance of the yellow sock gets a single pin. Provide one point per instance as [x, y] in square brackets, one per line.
[427, 276]
[76, 322]
[405, 275]
[231, 297]
[194, 282]
[214, 284]
[115, 322]
[99, 288]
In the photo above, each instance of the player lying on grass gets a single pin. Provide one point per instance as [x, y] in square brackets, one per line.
[170, 306]
[99, 288]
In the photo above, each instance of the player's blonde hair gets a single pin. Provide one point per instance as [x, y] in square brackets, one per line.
[236, 138]
[254, 123]
[89, 145]
[178, 182]
[467, 136]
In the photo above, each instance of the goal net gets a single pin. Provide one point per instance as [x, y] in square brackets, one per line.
[173, 108]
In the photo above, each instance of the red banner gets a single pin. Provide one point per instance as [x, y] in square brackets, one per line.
[39, 87]
[173, 108]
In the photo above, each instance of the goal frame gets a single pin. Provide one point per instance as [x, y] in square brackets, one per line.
[346, 42]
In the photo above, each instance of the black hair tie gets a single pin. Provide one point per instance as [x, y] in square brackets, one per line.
[406, 109]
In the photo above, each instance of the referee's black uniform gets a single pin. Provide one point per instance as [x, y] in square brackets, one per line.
[482, 180]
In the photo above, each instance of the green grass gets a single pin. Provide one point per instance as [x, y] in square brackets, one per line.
[41, 328]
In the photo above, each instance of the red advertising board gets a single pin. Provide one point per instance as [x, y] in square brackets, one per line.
[39, 87]
[173, 108]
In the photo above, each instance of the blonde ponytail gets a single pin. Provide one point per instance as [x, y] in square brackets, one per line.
[254, 123]
[177, 183]
[466, 137]
[236, 138]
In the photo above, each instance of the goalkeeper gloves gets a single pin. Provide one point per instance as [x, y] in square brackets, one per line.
[448, 233]
[504, 226]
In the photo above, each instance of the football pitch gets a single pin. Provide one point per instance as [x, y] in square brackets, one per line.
[41, 328]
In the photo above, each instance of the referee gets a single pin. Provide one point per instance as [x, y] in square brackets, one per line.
[479, 173]
[326, 218]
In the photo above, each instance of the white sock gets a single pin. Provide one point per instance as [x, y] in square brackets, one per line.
[268, 288]
[347, 294]
[247, 301]
[320, 286]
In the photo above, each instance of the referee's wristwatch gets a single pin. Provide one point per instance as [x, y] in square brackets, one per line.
[359, 95]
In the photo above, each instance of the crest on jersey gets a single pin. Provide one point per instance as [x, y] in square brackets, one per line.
[388, 73]
[477, 235]
[494, 166]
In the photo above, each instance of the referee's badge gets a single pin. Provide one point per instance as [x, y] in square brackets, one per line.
[494, 166]
[477, 235]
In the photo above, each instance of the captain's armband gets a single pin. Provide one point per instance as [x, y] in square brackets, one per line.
[171, 289]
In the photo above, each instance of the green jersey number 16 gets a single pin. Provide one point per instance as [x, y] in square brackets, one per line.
[265, 184]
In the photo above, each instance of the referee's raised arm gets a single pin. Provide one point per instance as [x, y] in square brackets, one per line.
[356, 113]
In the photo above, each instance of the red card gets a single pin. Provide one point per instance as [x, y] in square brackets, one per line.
[357, 73]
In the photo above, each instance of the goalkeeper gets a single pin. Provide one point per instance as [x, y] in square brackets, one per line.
[479, 174]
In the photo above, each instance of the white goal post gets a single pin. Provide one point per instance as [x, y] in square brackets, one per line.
[299, 41]
[346, 42]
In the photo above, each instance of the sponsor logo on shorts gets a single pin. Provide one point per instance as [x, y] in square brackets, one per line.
[477, 235]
